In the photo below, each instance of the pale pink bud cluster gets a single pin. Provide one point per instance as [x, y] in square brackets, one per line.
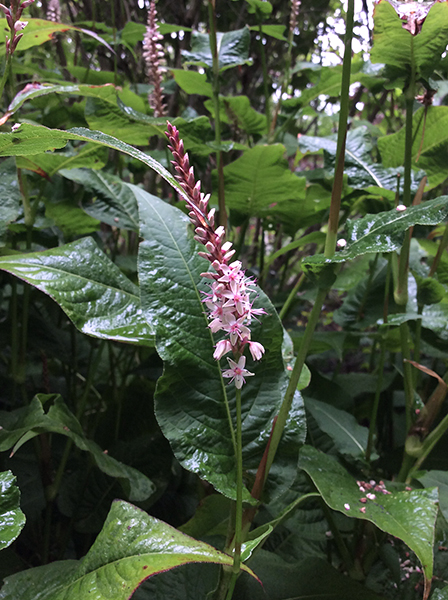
[54, 11]
[228, 302]
[153, 56]
[295, 6]
[13, 15]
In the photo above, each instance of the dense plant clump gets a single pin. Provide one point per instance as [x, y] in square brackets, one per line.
[223, 300]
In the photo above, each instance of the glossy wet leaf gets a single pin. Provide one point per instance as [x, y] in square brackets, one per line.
[260, 180]
[431, 144]
[89, 156]
[233, 49]
[131, 547]
[437, 479]
[23, 424]
[397, 47]
[440, 594]
[349, 437]
[10, 198]
[434, 318]
[34, 139]
[275, 31]
[89, 288]
[383, 232]
[71, 219]
[12, 519]
[407, 515]
[113, 202]
[39, 31]
[194, 406]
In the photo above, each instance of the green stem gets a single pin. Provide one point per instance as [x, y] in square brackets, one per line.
[265, 77]
[330, 244]
[333, 222]
[428, 445]
[216, 105]
[5, 74]
[442, 246]
[376, 402]
[290, 299]
[407, 373]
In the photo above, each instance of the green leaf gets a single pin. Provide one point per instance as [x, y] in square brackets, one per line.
[361, 170]
[438, 479]
[275, 31]
[383, 232]
[233, 49]
[311, 579]
[108, 117]
[259, 6]
[236, 110]
[89, 288]
[192, 82]
[194, 407]
[260, 180]
[71, 219]
[10, 198]
[407, 515]
[23, 424]
[48, 164]
[441, 594]
[39, 31]
[12, 519]
[349, 437]
[114, 203]
[431, 143]
[131, 547]
[397, 47]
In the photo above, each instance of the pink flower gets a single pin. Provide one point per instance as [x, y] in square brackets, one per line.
[222, 347]
[256, 349]
[237, 372]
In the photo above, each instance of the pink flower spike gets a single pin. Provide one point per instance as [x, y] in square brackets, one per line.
[256, 349]
[222, 348]
[237, 372]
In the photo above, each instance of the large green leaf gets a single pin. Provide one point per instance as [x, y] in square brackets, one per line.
[90, 289]
[192, 82]
[361, 170]
[89, 156]
[23, 424]
[311, 579]
[397, 47]
[440, 594]
[29, 139]
[131, 547]
[114, 203]
[194, 407]
[407, 515]
[383, 232]
[236, 110]
[9, 196]
[437, 479]
[71, 219]
[12, 519]
[430, 144]
[39, 31]
[233, 49]
[260, 180]
[349, 437]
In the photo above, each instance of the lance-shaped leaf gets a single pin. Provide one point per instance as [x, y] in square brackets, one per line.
[131, 547]
[47, 164]
[12, 519]
[194, 407]
[233, 49]
[29, 139]
[23, 424]
[260, 180]
[90, 289]
[39, 31]
[430, 144]
[397, 47]
[114, 203]
[407, 515]
[10, 199]
[383, 232]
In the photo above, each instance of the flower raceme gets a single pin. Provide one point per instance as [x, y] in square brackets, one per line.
[230, 308]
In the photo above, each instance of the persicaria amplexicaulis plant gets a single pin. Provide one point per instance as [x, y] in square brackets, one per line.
[13, 15]
[154, 59]
[230, 308]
